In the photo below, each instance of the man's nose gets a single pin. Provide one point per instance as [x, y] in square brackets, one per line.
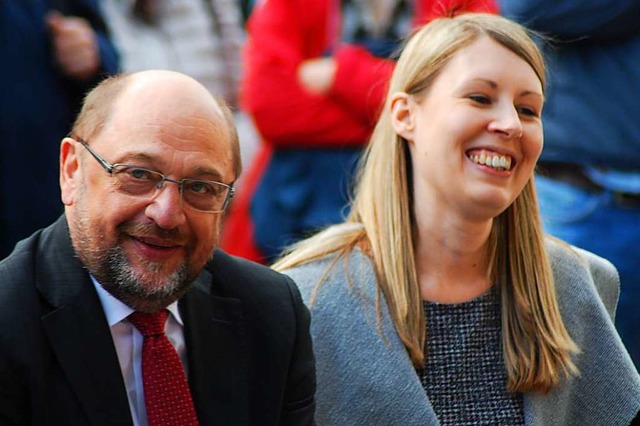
[166, 208]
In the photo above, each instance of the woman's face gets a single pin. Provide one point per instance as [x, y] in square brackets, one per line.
[475, 135]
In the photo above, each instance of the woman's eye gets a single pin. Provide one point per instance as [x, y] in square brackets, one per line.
[481, 99]
[529, 112]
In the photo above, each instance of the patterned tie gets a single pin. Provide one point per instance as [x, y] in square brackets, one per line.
[166, 391]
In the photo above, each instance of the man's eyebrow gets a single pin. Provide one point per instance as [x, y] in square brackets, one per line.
[200, 172]
[136, 156]
[207, 174]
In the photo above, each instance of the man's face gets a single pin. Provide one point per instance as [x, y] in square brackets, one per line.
[146, 250]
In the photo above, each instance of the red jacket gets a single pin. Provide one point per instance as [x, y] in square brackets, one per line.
[282, 34]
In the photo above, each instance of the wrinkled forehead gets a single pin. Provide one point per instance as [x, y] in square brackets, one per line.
[162, 98]
[180, 107]
[162, 113]
[168, 130]
[181, 123]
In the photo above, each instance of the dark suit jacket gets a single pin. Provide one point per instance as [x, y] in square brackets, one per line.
[246, 329]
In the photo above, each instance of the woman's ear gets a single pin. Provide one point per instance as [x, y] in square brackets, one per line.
[69, 171]
[402, 115]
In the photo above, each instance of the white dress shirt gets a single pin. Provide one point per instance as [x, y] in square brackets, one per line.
[128, 343]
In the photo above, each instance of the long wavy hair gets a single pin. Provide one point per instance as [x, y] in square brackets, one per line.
[537, 347]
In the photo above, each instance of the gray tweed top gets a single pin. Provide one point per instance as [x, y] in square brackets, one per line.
[365, 375]
[464, 375]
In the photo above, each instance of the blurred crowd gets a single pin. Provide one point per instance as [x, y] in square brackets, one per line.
[307, 80]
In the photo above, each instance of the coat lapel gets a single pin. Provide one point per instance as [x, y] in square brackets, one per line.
[607, 389]
[78, 331]
[217, 354]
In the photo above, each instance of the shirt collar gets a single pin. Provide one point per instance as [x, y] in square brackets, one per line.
[115, 310]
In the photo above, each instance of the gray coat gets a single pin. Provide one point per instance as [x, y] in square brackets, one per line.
[366, 378]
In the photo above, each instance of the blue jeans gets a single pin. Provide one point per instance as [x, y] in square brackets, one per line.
[596, 222]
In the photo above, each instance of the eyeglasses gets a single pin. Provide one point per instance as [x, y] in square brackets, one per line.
[201, 195]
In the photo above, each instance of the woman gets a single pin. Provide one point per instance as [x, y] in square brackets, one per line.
[439, 301]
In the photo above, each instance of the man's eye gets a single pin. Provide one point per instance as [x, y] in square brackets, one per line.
[141, 174]
[200, 188]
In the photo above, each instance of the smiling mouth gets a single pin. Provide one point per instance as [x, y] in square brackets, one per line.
[500, 162]
[156, 244]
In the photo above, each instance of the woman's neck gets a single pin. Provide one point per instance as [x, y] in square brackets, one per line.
[452, 259]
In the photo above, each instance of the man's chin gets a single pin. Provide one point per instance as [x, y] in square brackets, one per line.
[151, 295]
[153, 272]
[159, 280]
[144, 266]
[146, 286]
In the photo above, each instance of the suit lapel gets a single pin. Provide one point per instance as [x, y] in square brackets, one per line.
[216, 347]
[78, 331]
[80, 337]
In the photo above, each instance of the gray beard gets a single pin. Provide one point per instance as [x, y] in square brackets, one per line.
[146, 292]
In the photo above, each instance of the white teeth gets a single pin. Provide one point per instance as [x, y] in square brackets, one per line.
[502, 162]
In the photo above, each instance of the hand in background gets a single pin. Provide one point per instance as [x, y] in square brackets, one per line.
[316, 75]
[75, 46]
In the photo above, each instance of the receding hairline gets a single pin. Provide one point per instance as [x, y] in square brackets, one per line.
[99, 106]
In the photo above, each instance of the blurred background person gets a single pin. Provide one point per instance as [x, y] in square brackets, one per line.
[200, 38]
[316, 72]
[52, 52]
[589, 183]
[246, 6]
[440, 300]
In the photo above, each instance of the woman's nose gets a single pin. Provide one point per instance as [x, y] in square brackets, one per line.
[506, 122]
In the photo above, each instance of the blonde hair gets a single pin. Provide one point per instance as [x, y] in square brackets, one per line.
[537, 347]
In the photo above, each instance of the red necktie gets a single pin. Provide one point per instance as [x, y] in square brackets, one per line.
[166, 390]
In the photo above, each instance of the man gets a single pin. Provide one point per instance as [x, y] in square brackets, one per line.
[145, 175]
[53, 51]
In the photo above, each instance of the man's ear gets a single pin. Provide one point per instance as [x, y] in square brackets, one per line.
[402, 115]
[70, 177]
